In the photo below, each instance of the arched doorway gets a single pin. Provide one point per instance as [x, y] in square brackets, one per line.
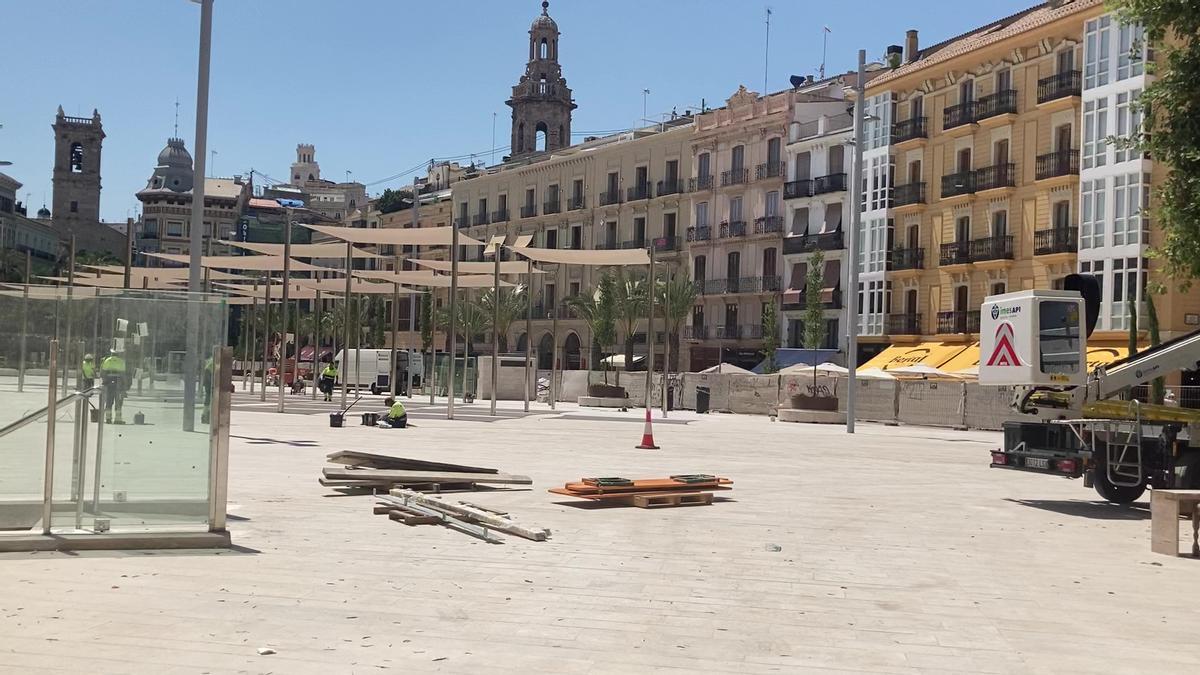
[521, 342]
[545, 352]
[572, 349]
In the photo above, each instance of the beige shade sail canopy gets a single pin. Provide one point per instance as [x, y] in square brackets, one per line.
[261, 263]
[160, 272]
[431, 280]
[118, 281]
[295, 291]
[633, 256]
[419, 236]
[357, 285]
[304, 250]
[506, 267]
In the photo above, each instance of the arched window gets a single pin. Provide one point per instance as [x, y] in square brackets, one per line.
[563, 141]
[542, 84]
[540, 137]
[520, 137]
[543, 50]
[76, 158]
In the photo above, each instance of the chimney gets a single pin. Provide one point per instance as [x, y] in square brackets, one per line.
[910, 46]
[893, 56]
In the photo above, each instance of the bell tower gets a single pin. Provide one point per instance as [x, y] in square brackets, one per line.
[77, 142]
[541, 102]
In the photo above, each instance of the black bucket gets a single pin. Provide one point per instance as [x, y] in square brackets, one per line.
[370, 419]
[336, 419]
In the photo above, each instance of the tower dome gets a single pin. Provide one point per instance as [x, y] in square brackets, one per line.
[174, 170]
[544, 21]
[175, 155]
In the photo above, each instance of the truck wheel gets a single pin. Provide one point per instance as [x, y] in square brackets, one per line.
[1117, 494]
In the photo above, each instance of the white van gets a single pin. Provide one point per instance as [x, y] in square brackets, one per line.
[369, 368]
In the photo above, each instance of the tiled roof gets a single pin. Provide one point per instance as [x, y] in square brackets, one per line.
[997, 31]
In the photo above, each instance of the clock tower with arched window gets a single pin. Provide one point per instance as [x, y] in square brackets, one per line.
[541, 102]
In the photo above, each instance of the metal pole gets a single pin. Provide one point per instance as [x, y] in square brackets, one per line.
[650, 331]
[453, 320]
[495, 327]
[196, 239]
[433, 345]
[24, 321]
[68, 308]
[344, 370]
[856, 200]
[251, 352]
[412, 298]
[283, 312]
[393, 378]
[262, 394]
[666, 343]
[528, 324]
[358, 346]
[51, 414]
[316, 343]
[128, 254]
[554, 356]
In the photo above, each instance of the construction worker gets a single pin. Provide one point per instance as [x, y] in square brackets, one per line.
[88, 370]
[112, 374]
[328, 378]
[397, 417]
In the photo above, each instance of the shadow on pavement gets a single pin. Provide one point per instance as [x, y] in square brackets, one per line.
[1097, 510]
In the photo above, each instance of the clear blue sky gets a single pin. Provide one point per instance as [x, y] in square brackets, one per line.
[382, 85]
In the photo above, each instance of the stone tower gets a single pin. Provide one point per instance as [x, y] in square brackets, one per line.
[541, 102]
[77, 143]
[306, 167]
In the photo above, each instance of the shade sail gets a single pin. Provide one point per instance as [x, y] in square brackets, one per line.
[600, 258]
[420, 236]
[295, 291]
[160, 272]
[933, 354]
[430, 280]
[357, 285]
[494, 244]
[506, 267]
[118, 281]
[305, 250]
[261, 263]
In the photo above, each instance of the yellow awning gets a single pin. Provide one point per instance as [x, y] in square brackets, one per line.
[1096, 356]
[933, 354]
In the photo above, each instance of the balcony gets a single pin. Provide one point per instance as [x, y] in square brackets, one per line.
[479, 219]
[634, 243]
[797, 189]
[807, 243]
[905, 195]
[956, 184]
[910, 129]
[770, 170]
[577, 202]
[725, 333]
[992, 248]
[637, 192]
[699, 233]
[607, 245]
[735, 228]
[994, 105]
[995, 177]
[500, 215]
[669, 187]
[667, 244]
[834, 182]
[1062, 85]
[1055, 164]
[903, 259]
[737, 176]
[610, 197]
[955, 253]
[750, 332]
[552, 206]
[958, 115]
[904, 324]
[769, 284]
[528, 211]
[768, 225]
[1056, 240]
[700, 183]
[958, 322]
[695, 332]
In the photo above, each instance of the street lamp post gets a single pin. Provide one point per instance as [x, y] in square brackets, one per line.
[192, 356]
[856, 202]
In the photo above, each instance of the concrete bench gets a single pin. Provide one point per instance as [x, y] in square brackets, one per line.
[1165, 507]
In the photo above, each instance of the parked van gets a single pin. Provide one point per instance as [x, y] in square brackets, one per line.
[370, 369]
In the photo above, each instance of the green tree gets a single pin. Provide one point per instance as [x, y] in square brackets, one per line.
[1170, 134]
[599, 313]
[427, 320]
[770, 327]
[471, 322]
[676, 298]
[814, 309]
[629, 300]
[393, 200]
[511, 305]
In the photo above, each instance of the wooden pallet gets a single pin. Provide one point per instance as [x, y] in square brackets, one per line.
[669, 499]
[625, 497]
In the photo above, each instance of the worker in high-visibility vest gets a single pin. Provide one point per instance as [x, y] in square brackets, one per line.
[397, 416]
[328, 378]
[88, 371]
[112, 375]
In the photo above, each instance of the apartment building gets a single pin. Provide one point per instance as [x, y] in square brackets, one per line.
[622, 191]
[988, 169]
[735, 239]
[819, 152]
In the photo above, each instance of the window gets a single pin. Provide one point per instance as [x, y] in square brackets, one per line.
[1129, 122]
[698, 269]
[735, 209]
[1129, 280]
[1092, 203]
[551, 238]
[800, 221]
[639, 231]
[1000, 152]
[1003, 80]
[1095, 131]
[76, 158]
[1131, 44]
[577, 237]
[1062, 214]
[530, 198]
[916, 107]
[1096, 51]
[703, 170]
[773, 146]
[768, 267]
[462, 214]
[772, 206]
[702, 214]
[964, 160]
[999, 288]
[731, 318]
[1000, 224]
[577, 191]
[614, 182]
[1096, 269]
[878, 110]
[74, 207]
[1059, 337]
[698, 316]
[737, 158]
[671, 174]
[1066, 60]
[962, 229]
[733, 265]
[174, 228]
[966, 91]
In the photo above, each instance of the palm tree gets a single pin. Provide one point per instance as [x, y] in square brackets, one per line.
[511, 305]
[599, 312]
[675, 298]
[629, 300]
[470, 322]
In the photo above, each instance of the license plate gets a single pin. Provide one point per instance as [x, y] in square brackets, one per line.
[1037, 463]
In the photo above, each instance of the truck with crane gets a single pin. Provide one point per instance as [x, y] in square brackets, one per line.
[1085, 424]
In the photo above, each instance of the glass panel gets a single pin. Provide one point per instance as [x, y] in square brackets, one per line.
[1058, 337]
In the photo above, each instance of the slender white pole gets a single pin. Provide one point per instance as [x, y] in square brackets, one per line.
[495, 327]
[528, 324]
[852, 308]
[453, 321]
[283, 311]
[344, 366]
[192, 356]
[650, 331]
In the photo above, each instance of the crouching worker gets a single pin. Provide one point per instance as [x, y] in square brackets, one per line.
[396, 418]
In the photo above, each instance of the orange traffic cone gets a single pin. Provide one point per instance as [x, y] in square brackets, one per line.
[647, 435]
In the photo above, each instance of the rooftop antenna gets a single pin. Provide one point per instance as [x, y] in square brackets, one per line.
[824, 43]
[176, 134]
[645, 96]
[767, 52]
[493, 161]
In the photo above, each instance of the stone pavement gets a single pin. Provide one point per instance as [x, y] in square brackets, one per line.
[894, 551]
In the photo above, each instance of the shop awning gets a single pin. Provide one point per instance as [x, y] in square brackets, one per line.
[935, 354]
[795, 289]
[831, 281]
[968, 358]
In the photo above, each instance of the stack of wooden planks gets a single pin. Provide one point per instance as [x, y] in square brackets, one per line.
[414, 508]
[371, 470]
[649, 493]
